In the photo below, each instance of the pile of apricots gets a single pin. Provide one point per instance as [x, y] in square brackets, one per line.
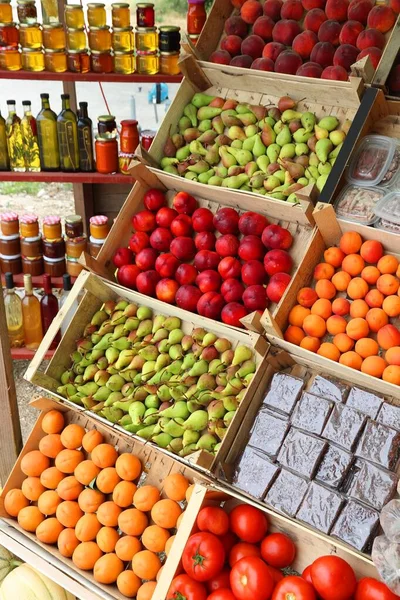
[350, 313]
[80, 495]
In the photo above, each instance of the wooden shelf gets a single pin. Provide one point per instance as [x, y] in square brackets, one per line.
[37, 281]
[25, 354]
[103, 77]
[60, 177]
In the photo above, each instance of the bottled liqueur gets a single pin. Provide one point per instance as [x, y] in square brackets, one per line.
[30, 139]
[49, 309]
[47, 136]
[32, 316]
[67, 286]
[4, 160]
[85, 139]
[14, 318]
[67, 131]
[15, 144]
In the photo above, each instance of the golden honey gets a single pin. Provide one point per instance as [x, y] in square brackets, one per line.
[146, 39]
[122, 39]
[32, 59]
[121, 14]
[169, 63]
[54, 36]
[30, 35]
[76, 39]
[96, 14]
[101, 62]
[6, 15]
[147, 63]
[10, 59]
[78, 61]
[55, 60]
[74, 18]
[100, 39]
[124, 62]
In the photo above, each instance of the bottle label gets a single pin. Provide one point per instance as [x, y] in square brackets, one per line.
[86, 161]
[48, 144]
[66, 133]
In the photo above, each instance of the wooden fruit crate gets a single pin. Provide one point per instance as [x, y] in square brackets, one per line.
[156, 467]
[97, 291]
[246, 85]
[310, 545]
[299, 223]
[328, 234]
[213, 32]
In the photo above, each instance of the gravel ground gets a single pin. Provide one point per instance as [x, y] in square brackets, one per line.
[25, 393]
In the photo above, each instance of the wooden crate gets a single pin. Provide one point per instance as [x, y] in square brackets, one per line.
[310, 545]
[213, 32]
[97, 291]
[299, 223]
[318, 96]
[156, 467]
[328, 234]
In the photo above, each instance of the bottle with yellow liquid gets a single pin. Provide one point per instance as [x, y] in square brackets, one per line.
[14, 139]
[30, 139]
[14, 318]
[4, 161]
[67, 131]
[46, 122]
[32, 316]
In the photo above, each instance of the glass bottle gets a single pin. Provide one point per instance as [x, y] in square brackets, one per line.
[4, 161]
[67, 286]
[14, 139]
[67, 130]
[47, 134]
[85, 139]
[49, 309]
[14, 318]
[32, 316]
[196, 16]
[29, 138]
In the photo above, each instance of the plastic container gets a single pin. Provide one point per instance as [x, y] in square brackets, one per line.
[357, 203]
[376, 162]
[387, 226]
[388, 211]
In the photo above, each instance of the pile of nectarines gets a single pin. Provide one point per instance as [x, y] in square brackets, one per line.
[348, 315]
[313, 38]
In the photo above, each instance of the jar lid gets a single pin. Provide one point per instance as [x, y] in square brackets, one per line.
[97, 242]
[99, 219]
[9, 216]
[25, 1]
[129, 122]
[130, 28]
[72, 260]
[5, 1]
[32, 50]
[124, 53]
[98, 52]
[100, 138]
[54, 50]
[11, 257]
[103, 28]
[144, 4]
[146, 53]
[53, 260]
[8, 24]
[105, 118]
[26, 25]
[73, 6]
[9, 238]
[169, 53]
[31, 240]
[96, 5]
[119, 5]
[75, 29]
[169, 28]
[51, 220]
[148, 133]
[28, 219]
[77, 240]
[32, 259]
[73, 219]
[146, 29]
[84, 51]
[53, 26]
[9, 49]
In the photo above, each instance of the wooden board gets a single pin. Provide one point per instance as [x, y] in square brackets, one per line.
[97, 291]
[156, 467]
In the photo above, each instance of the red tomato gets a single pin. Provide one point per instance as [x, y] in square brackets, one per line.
[278, 550]
[241, 550]
[295, 588]
[222, 594]
[219, 581]
[277, 575]
[203, 557]
[249, 523]
[228, 541]
[251, 579]
[184, 588]
[213, 519]
[333, 578]
[372, 589]
[307, 574]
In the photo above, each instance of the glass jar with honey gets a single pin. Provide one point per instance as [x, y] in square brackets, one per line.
[122, 39]
[99, 227]
[30, 35]
[146, 39]
[169, 63]
[147, 63]
[55, 61]
[78, 61]
[9, 35]
[6, 15]
[96, 14]
[124, 62]
[10, 59]
[76, 39]
[121, 14]
[145, 14]
[100, 39]
[101, 62]
[74, 18]
[26, 10]
[54, 36]
[32, 59]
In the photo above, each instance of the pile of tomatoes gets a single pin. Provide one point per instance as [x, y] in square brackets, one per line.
[232, 557]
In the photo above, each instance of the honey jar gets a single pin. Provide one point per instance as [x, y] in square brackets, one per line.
[10, 245]
[101, 62]
[73, 226]
[6, 15]
[78, 61]
[124, 62]
[29, 226]
[10, 59]
[76, 39]
[53, 248]
[32, 59]
[30, 35]
[33, 266]
[74, 247]
[121, 14]
[55, 267]
[55, 61]
[100, 39]
[122, 39]
[9, 223]
[74, 18]
[147, 63]
[52, 228]
[32, 247]
[146, 39]
[145, 14]
[9, 36]
[96, 14]
[169, 63]
[26, 11]
[99, 228]
[170, 38]
[54, 36]
[11, 264]
[74, 268]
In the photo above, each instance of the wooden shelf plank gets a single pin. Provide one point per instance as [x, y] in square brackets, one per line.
[103, 77]
[26, 354]
[60, 177]
[37, 281]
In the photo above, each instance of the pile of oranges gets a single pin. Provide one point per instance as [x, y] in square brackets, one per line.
[349, 316]
[79, 494]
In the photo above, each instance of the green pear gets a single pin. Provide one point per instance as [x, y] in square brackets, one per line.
[183, 153]
[322, 149]
[174, 428]
[207, 442]
[324, 168]
[337, 137]
[241, 354]
[212, 155]
[228, 160]
[215, 180]
[187, 450]
[320, 132]
[308, 121]
[197, 421]
[208, 112]
[301, 149]
[197, 148]
[184, 123]
[191, 176]
[251, 130]
[190, 111]
[162, 439]
[247, 119]
[248, 144]
[279, 126]
[178, 410]
[284, 137]
[301, 136]
[200, 167]
[230, 117]
[146, 432]
[205, 125]
[190, 437]
[236, 133]
[200, 100]
[217, 124]
[328, 123]
[288, 151]
[321, 181]
[175, 445]
[238, 144]
[242, 156]
[258, 149]
[172, 323]
[236, 181]
[290, 115]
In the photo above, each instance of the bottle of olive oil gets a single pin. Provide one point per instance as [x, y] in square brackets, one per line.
[47, 136]
[14, 318]
[67, 130]
[30, 139]
[4, 160]
[85, 139]
[15, 144]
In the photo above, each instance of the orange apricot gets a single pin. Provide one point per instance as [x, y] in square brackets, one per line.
[376, 319]
[85, 555]
[175, 486]
[306, 297]
[388, 264]
[343, 342]
[336, 324]
[315, 326]
[370, 274]
[325, 289]
[358, 308]
[86, 471]
[391, 306]
[50, 478]
[322, 308]
[87, 528]
[353, 264]
[53, 422]
[127, 546]
[69, 488]
[107, 538]
[128, 466]
[50, 445]
[341, 280]
[374, 298]
[388, 337]
[145, 497]
[14, 501]
[350, 242]
[373, 365]
[33, 463]
[132, 521]
[351, 359]
[69, 513]
[357, 288]
[29, 518]
[357, 328]
[323, 271]
[48, 531]
[341, 307]
[298, 314]
[334, 256]
[72, 435]
[371, 251]
[392, 356]
[32, 487]
[388, 284]
[329, 350]
[392, 374]
[366, 347]
[310, 343]
[108, 514]
[67, 542]
[107, 479]
[294, 335]
[104, 455]
[91, 439]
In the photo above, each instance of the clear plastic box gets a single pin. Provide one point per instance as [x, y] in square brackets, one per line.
[376, 162]
[356, 203]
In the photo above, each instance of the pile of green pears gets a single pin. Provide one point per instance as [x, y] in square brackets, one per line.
[142, 372]
[274, 151]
